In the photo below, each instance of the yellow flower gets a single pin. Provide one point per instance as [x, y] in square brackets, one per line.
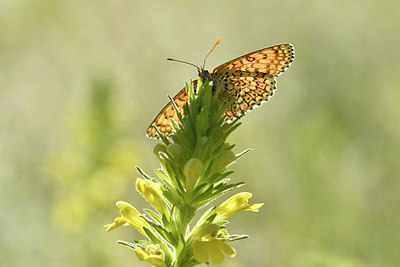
[153, 255]
[206, 245]
[235, 204]
[152, 192]
[129, 216]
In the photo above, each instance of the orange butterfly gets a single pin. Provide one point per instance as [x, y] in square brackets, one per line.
[249, 79]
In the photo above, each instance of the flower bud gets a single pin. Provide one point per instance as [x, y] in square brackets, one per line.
[202, 122]
[175, 150]
[159, 148]
[193, 169]
[222, 161]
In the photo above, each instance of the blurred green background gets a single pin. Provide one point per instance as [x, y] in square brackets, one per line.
[81, 80]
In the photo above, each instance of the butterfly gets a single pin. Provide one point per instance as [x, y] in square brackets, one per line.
[249, 79]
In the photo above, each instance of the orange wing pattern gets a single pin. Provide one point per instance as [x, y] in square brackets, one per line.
[272, 60]
[249, 89]
[162, 121]
[249, 79]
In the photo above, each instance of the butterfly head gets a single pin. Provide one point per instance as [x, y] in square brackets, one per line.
[203, 73]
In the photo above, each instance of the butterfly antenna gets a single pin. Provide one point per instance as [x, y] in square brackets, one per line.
[204, 62]
[180, 61]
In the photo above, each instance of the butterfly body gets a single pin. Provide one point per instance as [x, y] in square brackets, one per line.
[249, 79]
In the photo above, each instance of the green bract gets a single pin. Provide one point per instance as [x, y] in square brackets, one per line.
[193, 174]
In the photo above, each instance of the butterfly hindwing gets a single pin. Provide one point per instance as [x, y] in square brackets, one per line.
[249, 89]
[163, 119]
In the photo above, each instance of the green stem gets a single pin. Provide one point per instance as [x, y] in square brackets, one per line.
[182, 226]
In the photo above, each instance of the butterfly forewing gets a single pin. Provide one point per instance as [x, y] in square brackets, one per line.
[249, 79]
[272, 60]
